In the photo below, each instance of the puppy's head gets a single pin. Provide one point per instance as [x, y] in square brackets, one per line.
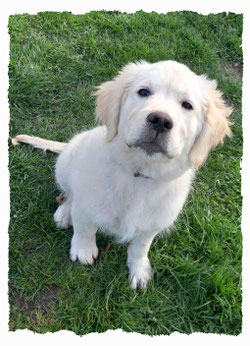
[164, 110]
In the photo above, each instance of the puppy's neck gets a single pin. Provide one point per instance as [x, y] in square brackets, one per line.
[141, 166]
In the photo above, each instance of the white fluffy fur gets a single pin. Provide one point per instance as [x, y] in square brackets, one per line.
[96, 168]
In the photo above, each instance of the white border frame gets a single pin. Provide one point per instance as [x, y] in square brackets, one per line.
[112, 336]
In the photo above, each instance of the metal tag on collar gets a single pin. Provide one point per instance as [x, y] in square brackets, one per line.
[140, 175]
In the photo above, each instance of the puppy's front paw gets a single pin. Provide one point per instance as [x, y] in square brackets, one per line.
[139, 273]
[85, 253]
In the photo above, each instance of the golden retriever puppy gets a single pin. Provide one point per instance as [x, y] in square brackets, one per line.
[131, 177]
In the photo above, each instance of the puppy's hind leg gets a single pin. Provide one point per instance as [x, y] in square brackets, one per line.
[62, 216]
[83, 243]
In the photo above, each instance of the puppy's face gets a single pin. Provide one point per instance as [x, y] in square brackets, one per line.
[164, 110]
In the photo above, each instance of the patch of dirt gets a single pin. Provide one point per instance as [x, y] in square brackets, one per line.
[237, 70]
[41, 303]
[47, 295]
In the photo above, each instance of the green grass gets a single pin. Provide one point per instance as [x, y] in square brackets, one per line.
[56, 60]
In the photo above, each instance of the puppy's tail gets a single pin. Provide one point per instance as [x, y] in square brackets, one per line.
[39, 143]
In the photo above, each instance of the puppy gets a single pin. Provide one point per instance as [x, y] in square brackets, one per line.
[131, 177]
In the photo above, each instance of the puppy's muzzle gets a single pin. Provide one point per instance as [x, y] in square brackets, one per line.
[154, 137]
[160, 122]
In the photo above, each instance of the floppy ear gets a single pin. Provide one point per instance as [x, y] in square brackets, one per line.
[109, 98]
[215, 128]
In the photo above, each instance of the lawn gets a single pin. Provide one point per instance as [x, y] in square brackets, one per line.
[56, 61]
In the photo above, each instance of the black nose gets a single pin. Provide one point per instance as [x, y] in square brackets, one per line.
[159, 121]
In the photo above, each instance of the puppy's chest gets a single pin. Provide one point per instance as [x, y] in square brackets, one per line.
[146, 204]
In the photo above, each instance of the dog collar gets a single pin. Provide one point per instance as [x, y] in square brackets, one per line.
[140, 175]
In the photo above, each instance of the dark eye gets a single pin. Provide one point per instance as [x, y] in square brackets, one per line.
[144, 92]
[187, 105]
